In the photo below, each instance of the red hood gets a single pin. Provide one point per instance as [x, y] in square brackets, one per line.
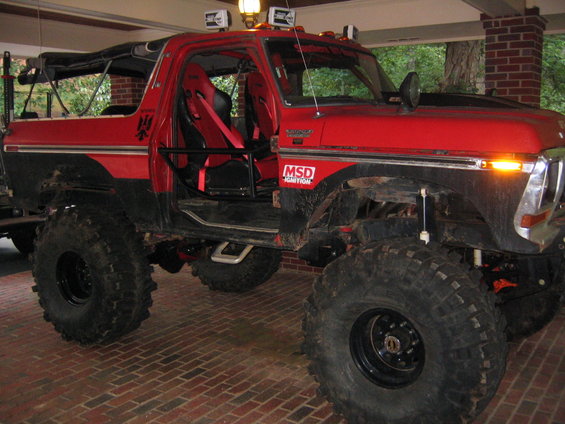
[454, 130]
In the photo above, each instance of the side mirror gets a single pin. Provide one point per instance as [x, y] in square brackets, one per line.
[410, 91]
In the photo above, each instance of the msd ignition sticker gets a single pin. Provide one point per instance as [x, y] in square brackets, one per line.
[297, 174]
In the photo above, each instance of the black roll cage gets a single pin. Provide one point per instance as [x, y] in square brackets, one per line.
[248, 154]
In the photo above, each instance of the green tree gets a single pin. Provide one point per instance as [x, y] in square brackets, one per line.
[328, 82]
[75, 94]
[462, 68]
[229, 85]
[553, 73]
[426, 59]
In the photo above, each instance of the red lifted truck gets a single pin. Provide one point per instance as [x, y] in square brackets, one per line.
[438, 222]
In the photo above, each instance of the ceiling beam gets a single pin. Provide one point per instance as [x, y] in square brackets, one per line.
[127, 12]
[495, 8]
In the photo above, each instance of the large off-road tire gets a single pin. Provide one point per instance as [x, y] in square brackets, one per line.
[23, 240]
[529, 314]
[92, 275]
[259, 265]
[400, 332]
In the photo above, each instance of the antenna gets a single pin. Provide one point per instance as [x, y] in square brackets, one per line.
[318, 113]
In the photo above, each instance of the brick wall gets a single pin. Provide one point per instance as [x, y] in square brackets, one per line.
[514, 46]
[290, 261]
[126, 90]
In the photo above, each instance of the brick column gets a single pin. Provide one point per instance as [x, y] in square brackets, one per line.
[514, 46]
[126, 90]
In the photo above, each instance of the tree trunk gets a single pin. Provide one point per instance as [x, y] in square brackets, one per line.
[462, 64]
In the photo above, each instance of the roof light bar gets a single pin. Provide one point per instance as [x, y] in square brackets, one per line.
[217, 20]
[280, 17]
[351, 32]
[263, 25]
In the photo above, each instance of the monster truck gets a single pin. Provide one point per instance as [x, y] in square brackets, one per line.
[438, 219]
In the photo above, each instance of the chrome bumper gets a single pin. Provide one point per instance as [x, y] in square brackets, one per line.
[541, 211]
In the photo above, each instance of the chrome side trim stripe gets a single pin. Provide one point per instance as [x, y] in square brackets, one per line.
[79, 150]
[431, 161]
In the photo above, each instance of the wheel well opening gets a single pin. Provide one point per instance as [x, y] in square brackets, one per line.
[367, 209]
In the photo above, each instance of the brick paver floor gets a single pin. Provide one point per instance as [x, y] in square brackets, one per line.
[208, 357]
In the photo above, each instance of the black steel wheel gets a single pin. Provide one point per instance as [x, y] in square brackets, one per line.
[92, 275]
[387, 348]
[74, 279]
[401, 332]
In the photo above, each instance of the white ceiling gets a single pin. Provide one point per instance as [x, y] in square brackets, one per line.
[381, 22]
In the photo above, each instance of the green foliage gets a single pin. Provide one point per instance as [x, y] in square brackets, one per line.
[75, 94]
[333, 82]
[228, 84]
[553, 73]
[426, 59]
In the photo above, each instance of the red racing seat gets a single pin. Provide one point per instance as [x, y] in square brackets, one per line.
[262, 107]
[209, 123]
[209, 109]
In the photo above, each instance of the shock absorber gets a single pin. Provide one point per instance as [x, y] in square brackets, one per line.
[425, 205]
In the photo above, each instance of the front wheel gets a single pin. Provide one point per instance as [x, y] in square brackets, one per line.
[92, 275]
[400, 332]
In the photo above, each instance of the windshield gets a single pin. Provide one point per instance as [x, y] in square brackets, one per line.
[336, 74]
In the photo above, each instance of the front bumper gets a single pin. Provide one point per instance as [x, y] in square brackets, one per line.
[540, 217]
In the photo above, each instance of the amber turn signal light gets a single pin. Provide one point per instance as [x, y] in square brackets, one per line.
[502, 165]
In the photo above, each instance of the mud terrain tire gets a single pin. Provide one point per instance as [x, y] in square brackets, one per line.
[401, 332]
[259, 265]
[528, 315]
[92, 275]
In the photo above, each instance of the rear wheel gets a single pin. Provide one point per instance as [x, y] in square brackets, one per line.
[23, 240]
[400, 332]
[257, 267]
[529, 314]
[530, 290]
[92, 276]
